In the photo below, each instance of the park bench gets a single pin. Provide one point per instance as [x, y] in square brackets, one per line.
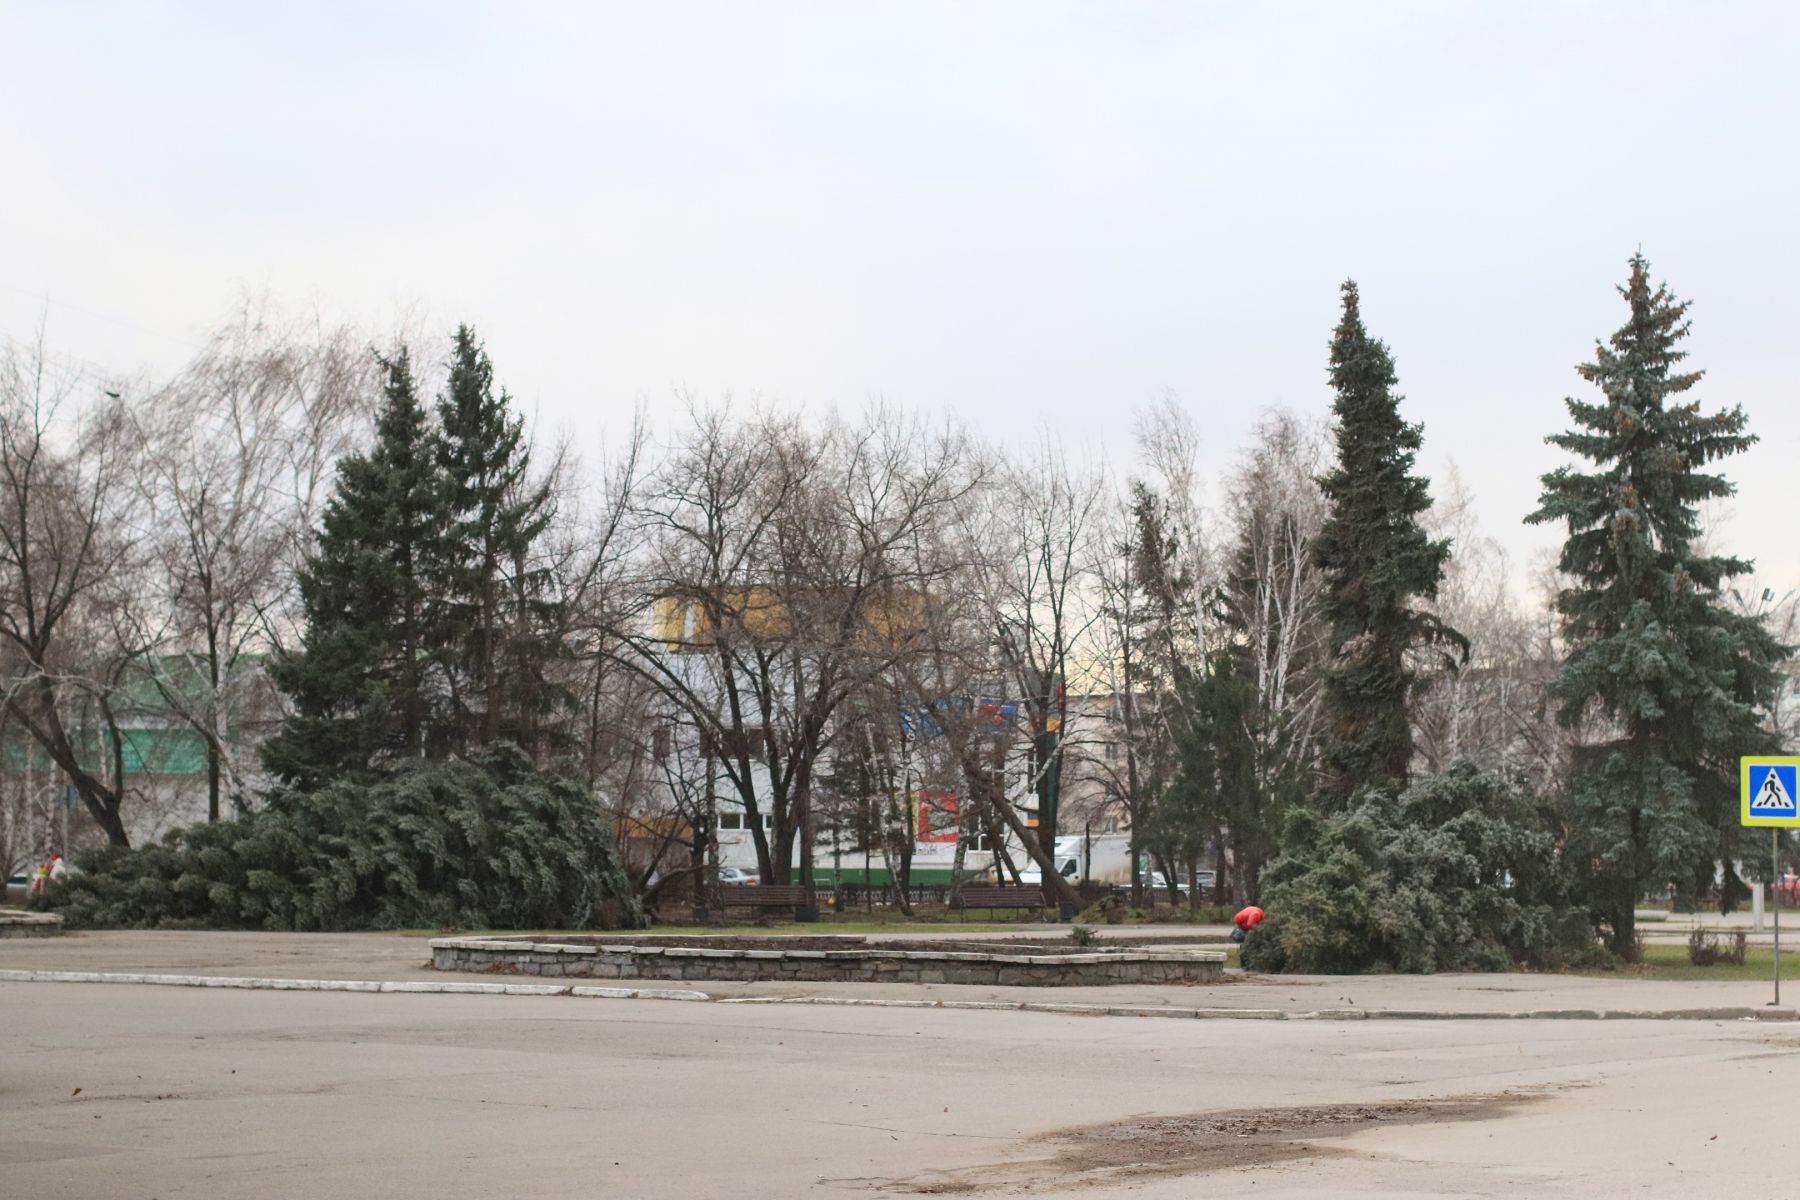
[997, 897]
[765, 896]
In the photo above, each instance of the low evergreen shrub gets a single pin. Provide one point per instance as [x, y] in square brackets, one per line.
[488, 842]
[1461, 872]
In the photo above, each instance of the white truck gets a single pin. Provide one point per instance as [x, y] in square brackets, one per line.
[1101, 857]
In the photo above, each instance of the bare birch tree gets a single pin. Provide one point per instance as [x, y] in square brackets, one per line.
[1275, 507]
[238, 447]
[1491, 710]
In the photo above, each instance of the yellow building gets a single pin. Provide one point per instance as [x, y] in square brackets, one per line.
[761, 611]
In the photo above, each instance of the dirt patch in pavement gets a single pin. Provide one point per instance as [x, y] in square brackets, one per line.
[1154, 1146]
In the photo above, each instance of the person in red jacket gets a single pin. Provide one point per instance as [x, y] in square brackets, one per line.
[1246, 920]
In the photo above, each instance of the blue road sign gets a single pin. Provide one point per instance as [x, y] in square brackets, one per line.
[1771, 791]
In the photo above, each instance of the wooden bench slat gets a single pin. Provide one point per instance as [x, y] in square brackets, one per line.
[764, 896]
[999, 897]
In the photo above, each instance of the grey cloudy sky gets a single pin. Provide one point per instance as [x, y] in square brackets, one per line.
[1028, 214]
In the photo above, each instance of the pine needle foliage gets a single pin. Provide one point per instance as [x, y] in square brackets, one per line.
[499, 616]
[1460, 872]
[1672, 680]
[432, 620]
[1379, 565]
[360, 688]
[484, 843]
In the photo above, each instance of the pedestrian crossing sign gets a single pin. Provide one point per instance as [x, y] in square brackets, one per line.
[1771, 790]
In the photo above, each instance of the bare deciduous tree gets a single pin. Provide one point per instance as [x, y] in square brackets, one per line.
[237, 450]
[1040, 533]
[1491, 710]
[775, 586]
[1275, 508]
[66, 567]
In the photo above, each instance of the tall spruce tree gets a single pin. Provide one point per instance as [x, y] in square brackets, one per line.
[358, 687]
[496, 633]
[1676, 679]
[1378, 563]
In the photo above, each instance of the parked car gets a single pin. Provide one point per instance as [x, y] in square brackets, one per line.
[736, 876]
[1205, 878]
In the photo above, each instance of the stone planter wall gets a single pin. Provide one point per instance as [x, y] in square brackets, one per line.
[25, 924]
[867, 963]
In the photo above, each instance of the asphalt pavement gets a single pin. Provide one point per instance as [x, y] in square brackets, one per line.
[159, 1092]
[379, 956]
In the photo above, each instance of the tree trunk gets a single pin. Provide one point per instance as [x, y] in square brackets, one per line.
[1054, 884]
[1733, 891]
[1047, 759]
[1137, 873]
[697, 866]
[801, 804]
[960, 855]
[212, 745]
[1171, 881]
[1623, 941]
[212, 781]
[47, 731]
[759, 838]
[996, 837]
[490, 681]
[413, 720]
[1243, 886]
[902, 879]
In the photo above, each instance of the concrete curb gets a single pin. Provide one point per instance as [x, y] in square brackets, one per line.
[433, 987]
[1276, 1014]
[428, 987]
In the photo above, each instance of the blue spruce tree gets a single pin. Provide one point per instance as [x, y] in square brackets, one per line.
[1674, 681]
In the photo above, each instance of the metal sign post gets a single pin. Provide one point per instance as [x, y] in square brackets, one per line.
[1769, 790]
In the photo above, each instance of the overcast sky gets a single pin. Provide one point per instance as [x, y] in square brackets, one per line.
[1031, 215]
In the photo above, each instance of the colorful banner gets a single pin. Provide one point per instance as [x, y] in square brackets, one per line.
[939, 817]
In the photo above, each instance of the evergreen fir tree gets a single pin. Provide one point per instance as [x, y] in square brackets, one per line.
[403, 454]
[1192, 768]
[358, 687]
[1378, 563]
[1212, 797]
[1677, 679]
[496, 636]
